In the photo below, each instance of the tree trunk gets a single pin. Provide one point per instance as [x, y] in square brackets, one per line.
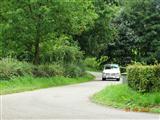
[37, 38]
[4, 48]
[37, 49]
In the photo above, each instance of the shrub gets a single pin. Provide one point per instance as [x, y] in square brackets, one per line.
[144, 78]
[73, 71]
[63, 50]
[10, 68]
[48, 70]
[91, 63]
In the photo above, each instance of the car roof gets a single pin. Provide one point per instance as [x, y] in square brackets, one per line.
[111, 65]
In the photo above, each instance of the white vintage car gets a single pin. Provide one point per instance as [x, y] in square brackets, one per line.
[111, 71]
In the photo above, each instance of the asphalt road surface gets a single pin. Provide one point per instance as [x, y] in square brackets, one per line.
[64, 102]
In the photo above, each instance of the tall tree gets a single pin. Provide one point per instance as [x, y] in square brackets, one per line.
[31, 21]
[97, 37]
[138, 26]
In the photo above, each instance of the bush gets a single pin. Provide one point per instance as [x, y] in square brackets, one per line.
[94, 63]
[91, 63]
[144, 78]
[63, 50]
[10, 68]
[48, 70]
[73, 71]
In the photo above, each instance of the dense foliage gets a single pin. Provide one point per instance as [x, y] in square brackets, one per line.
[13, 68]
[30, 28]
[10, 69]
[144, 78]
[65, 32]
[95, 39]
[138, 27]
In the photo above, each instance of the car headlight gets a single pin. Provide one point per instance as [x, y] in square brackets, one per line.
[103, 74]
[117, 74]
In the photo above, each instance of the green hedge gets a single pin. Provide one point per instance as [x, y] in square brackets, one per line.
[144, 78]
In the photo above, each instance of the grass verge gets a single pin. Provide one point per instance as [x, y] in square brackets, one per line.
[27, 83]
[121, 96]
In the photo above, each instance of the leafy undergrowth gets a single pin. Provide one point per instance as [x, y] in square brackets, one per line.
[30, 83]
[92, 69]
[121, 96]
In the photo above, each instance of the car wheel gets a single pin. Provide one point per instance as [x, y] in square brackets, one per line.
[118, 79]
[103, 79]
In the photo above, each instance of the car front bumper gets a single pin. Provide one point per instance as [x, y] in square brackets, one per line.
[110, 76]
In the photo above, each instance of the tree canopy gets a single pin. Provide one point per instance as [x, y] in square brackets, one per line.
[42, 31]
[138, 28]
[28, 25]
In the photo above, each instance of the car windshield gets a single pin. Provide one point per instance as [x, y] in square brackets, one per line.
[111, 66]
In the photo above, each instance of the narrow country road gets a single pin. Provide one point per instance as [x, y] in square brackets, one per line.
[64, 102]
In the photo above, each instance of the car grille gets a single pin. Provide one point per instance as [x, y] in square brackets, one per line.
[110, 74]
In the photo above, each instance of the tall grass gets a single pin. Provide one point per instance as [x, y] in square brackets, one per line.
[26, 83]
